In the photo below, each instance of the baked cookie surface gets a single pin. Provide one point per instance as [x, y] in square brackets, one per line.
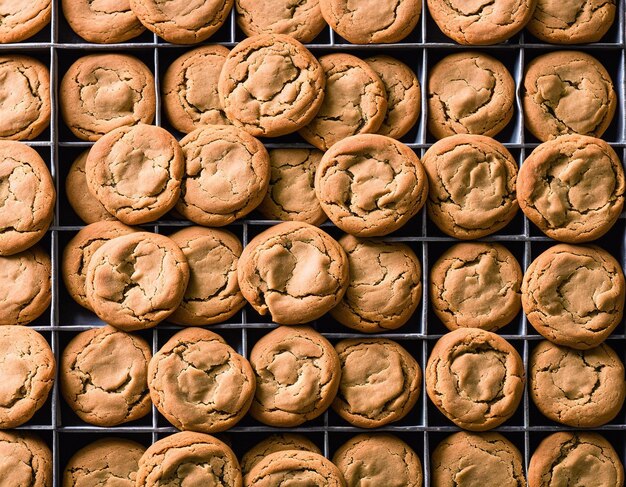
[26, 459]
[22, 19]
[102, 22]
[273, 444]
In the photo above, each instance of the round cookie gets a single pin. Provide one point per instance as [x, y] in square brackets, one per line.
[370, 185]
[575, 22]
[355, 102]
[102, 22]
[273, 444]
[203, 458]
[385, 285]
[190, 95]
[226, 175]
[481, 23]
[291, 192]
[380, 382]
[102, 92]
[22, 19]
[271, 85]
[475, 378]
[574, 295]
[575, 458]
[137, 280]
[476, 285]
[27, 197]
[294, 271]
[469, 93]
[25, 459]
[476, 459]
[572, 188]
[213, 294]
[25, 288]
[471, 186]
[403, 95]
[301, 19]
[135, 172]
[567, 92]
[104, 374]
[380, 459]
[109, 461]
[578, 388]
[199, 383]
[27, 366]
[297, 375]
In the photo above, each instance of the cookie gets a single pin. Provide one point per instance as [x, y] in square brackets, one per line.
[102, 92]
[469, 93]
[28, 197]
[385, 285]
[25, 459]
[481, 24]
[181, 22]
[355, 102]
[135, 172]
[195, 457]
[567, 92]
[271, 85]
[27, 366]
[109, 461]
[25, 289]
[78, 253]
[213, 294]
[190, 96]
[572, 188]
[372, 22]
[572, 23]
[301, 19]
[137, 280]
[476, 285]
[226, 175]
[380, 459]
[380, 382]
[403, 95]
[199, 383]
[578, 388]
[273, 444]
[102, 22]
[291, 192]
[293, 271]
[370, 185]
[476, 459]
[23, 19]
[574, 295]
[471, 186]
[297, 375]
[475, 378]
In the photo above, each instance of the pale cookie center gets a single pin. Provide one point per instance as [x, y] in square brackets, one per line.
[110, 95]
[376, 467]
[479, 376]
[23, 285]
[213, 269]
[372, 15]
[484, 467]
[201, 84]
[586, 464]
[18, 372]
[498, 12]
[560, 14]
[585, 292]
[269, 76]
[20, 103]
[109, 7]
[16, 463]
[292, 188]
[189, 14]
[464, 94]
[576, 378]
[19, 186]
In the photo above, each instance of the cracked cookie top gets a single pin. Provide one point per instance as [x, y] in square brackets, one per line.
[370, 185]
[273, 444]
[471, 184]
[27, 366]
[25, 459]
[271, 85]
[22, 19]
[27, 197]
[297, 374]
[385, 285]
[567, 92]
[578, 388]
[136, 172]
[574, 295]
[213, 294]
[380, 382]
[137, 280]
[102, 92]
[475, 378]
[102, 21]
[227, 172]
[469, 93]
[104, 374]
[476, 285]
[572, 188]
[355, 102]
[294, 271]
[199, 383]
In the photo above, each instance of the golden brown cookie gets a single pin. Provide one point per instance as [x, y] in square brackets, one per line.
[25, 460]
[102, 22]
[273, 444]
[22, 19]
